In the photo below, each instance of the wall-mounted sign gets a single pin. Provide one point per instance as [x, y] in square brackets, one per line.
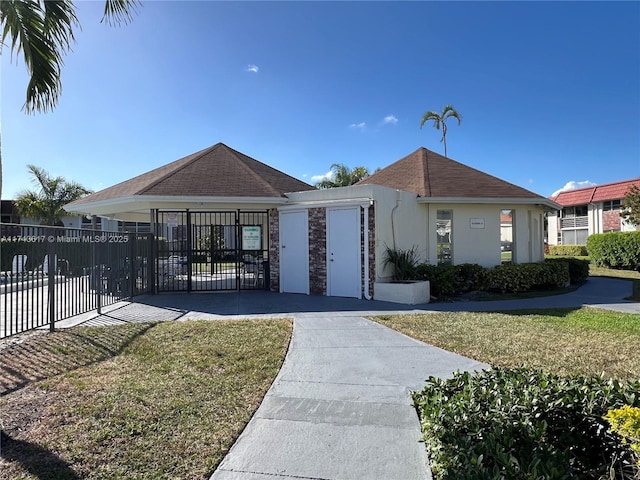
[476, 222]
[172, 219]
[251, 237]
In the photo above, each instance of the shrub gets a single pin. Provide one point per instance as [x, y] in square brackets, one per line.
[625, 421]
[404, 262]
[513, 278]
[568, 250]
[615, 249]
[441, 278]
[448, 280]
[523, 424]
[578, 268]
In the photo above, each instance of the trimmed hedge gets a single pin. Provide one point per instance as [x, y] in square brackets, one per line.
[568, 250]
[524, 424]
[615, 250]
[578, 268]
[448, 280]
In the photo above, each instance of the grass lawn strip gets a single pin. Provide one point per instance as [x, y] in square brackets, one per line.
[563, 341]
[169, 405]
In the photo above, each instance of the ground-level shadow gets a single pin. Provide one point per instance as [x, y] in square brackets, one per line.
[38, 461]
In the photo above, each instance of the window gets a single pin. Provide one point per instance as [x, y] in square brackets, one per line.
[610, 205]
[577, 211]
[507, 237]
[444, 236]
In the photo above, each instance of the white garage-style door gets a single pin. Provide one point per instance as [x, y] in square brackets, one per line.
[343, 253]
[294, 252]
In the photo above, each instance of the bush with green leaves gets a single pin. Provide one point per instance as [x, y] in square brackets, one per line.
[512, 278]
[524, 424]
[578, 268]
[568, 250]
[625, 421]
[619, 250]
[449, 280]
[403, 262]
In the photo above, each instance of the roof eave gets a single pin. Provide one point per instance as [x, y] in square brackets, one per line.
[540, 201]
[148, 201]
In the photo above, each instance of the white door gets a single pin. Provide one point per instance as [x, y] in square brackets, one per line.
[343, 253]
[294, 252]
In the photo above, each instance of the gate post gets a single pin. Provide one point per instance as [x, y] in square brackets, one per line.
[51, 280]
[133, 279]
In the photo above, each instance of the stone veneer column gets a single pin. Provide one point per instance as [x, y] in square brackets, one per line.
[318, 251]
[274, 250]
[372, 249]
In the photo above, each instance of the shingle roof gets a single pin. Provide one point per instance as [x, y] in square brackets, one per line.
[217, 171]
[429, 174]
[598, 193]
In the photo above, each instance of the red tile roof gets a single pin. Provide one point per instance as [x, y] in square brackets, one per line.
[217, 171]
[429, 174]
[598, 193]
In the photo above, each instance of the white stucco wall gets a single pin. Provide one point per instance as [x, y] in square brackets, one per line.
[552, 228]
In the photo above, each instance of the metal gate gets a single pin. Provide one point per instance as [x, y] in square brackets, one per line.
[212, 251]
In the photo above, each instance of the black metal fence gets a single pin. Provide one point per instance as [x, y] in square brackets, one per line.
[48, 274]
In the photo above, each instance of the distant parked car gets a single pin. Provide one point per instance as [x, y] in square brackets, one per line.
[506, 246]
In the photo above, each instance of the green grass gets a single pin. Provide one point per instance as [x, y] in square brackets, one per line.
[144, 401]
[563, 341]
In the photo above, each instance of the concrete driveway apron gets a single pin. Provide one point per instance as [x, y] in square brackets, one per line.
[340, 407]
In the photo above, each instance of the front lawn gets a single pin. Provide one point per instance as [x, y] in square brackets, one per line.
[564, 341]
[137, 401]
[543, 421]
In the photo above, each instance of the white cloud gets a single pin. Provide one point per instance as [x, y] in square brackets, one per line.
[320, 178]
[390, 120]
[252, 68]
[359, 126]
[572, 185]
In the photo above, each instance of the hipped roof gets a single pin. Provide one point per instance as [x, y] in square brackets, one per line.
[597, 193]
[429, 174]
[217, 171]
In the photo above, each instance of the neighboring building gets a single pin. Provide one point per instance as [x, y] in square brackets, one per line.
[9, 212]
[589, 210]
[225, 208]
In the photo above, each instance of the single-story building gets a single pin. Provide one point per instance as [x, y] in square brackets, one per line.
[589, 210]
[224, 220]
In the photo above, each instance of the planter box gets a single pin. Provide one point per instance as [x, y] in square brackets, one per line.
[409, 293]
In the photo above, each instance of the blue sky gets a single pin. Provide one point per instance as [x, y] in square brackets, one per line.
[549, 91]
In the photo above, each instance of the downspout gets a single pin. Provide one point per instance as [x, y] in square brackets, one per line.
[393, 226]
[367, 295]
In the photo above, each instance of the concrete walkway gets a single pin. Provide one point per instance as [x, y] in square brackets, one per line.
[340, 406]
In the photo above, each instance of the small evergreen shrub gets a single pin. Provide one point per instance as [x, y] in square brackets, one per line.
[568, 250]
[625, 421]
[449, 280]
[403, 262]
[615, 250]
[524, 424]
[578, 268]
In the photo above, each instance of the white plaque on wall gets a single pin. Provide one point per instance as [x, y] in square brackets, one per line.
[476, 222]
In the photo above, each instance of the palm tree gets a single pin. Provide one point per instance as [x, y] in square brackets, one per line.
[440, 120]
[343, 176]
[42, 31]
[47, 204]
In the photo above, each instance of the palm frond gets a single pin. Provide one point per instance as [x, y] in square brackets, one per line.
[43, 32]
[434, 116]
[118, 12]
[450, 112]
